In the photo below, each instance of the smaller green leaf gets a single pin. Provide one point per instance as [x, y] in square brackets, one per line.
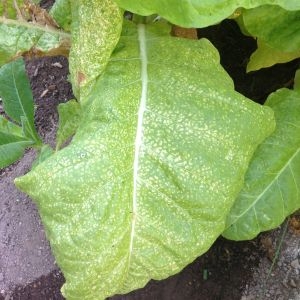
[17, 98]
[91, 47]
[15, 91]
[276, 26]
[69, 117]
[61, 13]
[272, 183]
[266, 56]
[12, 148]
[297, 81]
[9, 127]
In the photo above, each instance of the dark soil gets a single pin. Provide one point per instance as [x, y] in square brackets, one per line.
[225, 269]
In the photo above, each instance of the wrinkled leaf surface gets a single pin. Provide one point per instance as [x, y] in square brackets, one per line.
[148, 179]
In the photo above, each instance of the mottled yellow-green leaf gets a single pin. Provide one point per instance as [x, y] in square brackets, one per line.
[96, 28]
[157, 161]
[18, 35]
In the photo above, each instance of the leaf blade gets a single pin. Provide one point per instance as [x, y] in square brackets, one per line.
[17, 97]
[11, 148]
[69, 119]
[196, 13]
[271, 191]
[138, 234]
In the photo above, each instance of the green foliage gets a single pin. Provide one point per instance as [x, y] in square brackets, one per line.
[155, 170]
[272, 183]
[19, 35]
[91, 47]
[69, 118]
[126, 172]
[61, 13]
[198, 13]
[17, 100]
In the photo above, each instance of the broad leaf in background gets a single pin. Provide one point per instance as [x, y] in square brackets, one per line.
[61, 13]
[17, 98]
[272, 182]
[157, 161]
[198, 13]
[265, 56]
[274, 26]
[12, 147]
[96, 29]
[69, 119]
[18, 36]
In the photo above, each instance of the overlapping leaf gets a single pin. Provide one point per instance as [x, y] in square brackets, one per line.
[266, 56]
[198, 13]
[275, 26]
[96, 29]
[272, 184]
[16, 96]
[19, 35]
[147, 181]
[61, 12]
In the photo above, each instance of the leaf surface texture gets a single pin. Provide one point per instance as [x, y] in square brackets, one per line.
[148, 179]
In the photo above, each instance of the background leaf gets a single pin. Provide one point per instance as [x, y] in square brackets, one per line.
[91, 47]
[69, 119]
[272, 184]
[155, 165]
[274, 26]
[16, 95]
[61, 12]
[10, 128]
[265, 56]
[19, 36]
[198, 13]
[12, 147]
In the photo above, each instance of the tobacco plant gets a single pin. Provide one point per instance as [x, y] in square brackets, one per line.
[166, 156]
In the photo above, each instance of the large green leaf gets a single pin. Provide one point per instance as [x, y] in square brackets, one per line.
[265, 56]
[18, 36]
[198, 13]
[16, 96]
[272, 184]
[275, 26]
[12, 148]
[96, 28]
[157, 162]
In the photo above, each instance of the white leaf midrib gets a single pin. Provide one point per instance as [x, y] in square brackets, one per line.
[139, 131]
